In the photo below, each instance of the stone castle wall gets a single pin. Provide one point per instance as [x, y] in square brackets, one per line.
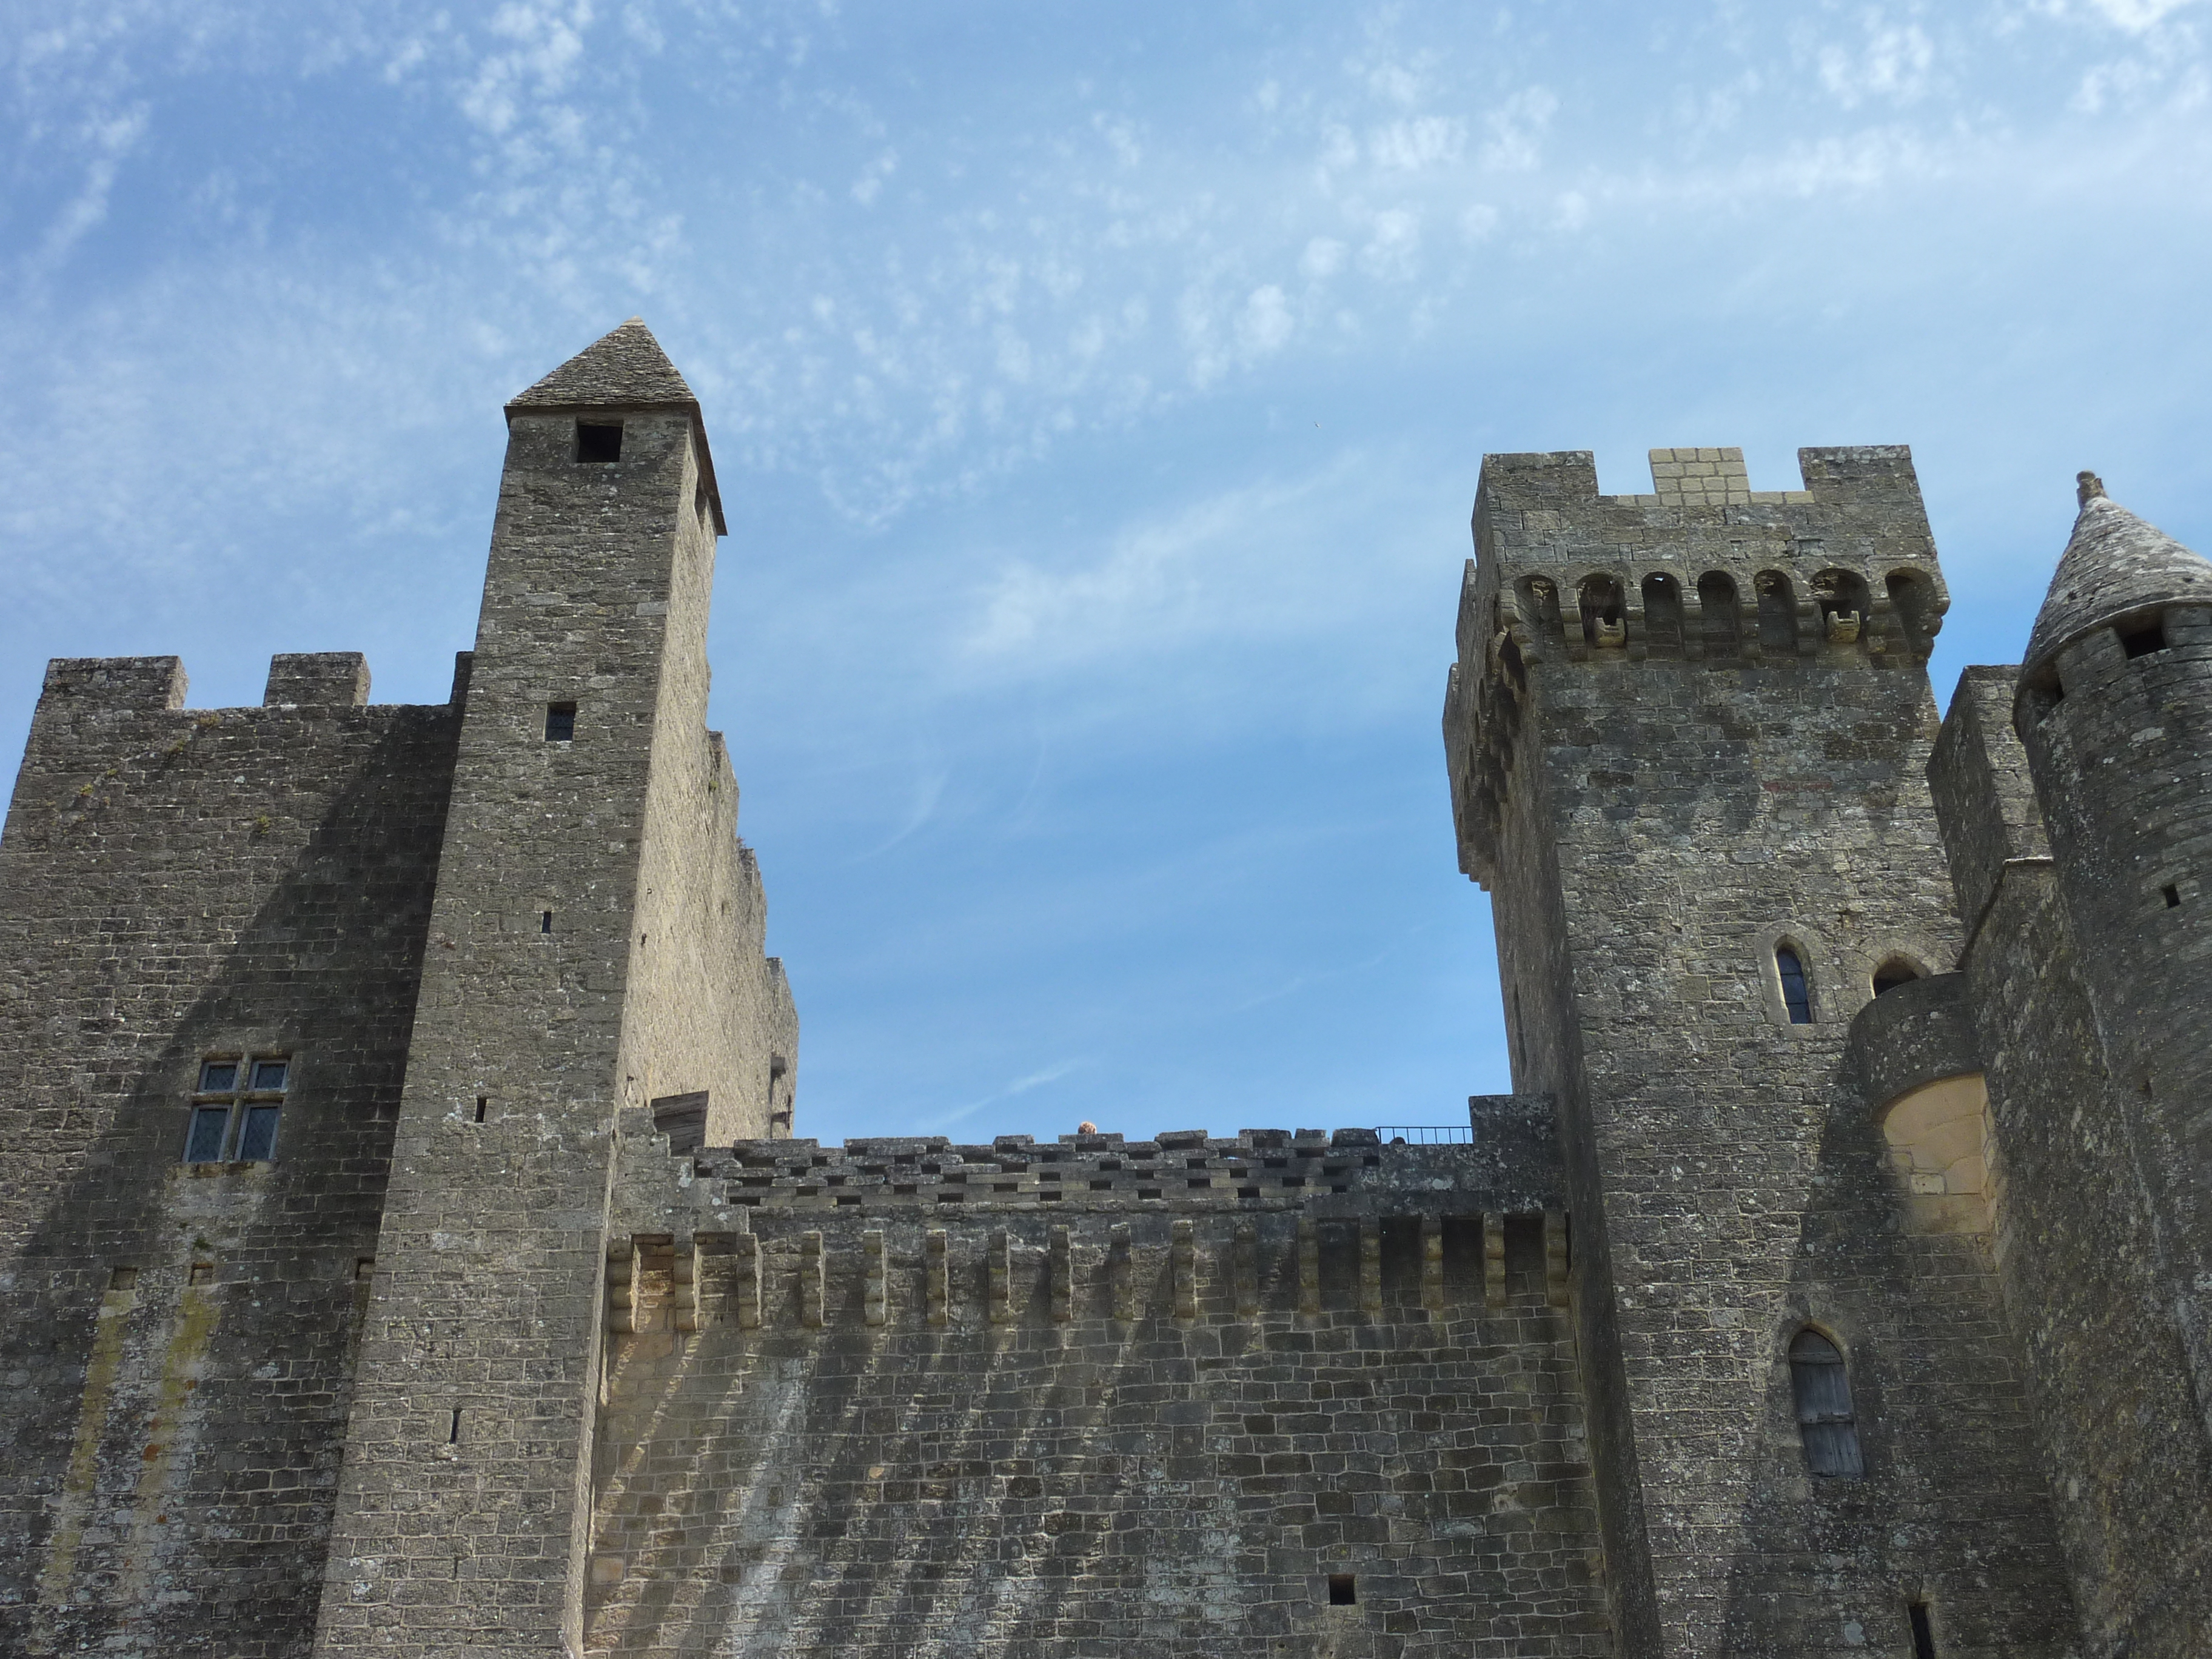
[175, 1368]
[1685, 728]
[903, 1396]
[2076, 1238]
[539, 1334]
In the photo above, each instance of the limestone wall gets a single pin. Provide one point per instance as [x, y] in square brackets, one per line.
[2076, 1239]
[901, 1396]
[175, 1365]
[1684, 729]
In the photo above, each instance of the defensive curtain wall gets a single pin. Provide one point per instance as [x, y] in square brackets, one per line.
[1282, 1394]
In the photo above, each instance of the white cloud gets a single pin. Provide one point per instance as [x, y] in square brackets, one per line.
[1393, 244]
[1516, 127]
[1410, 146]
[1265, 325]
[1322, 258]
[109, 140]
[1892, 62]
[2138, 16]
[548, 47]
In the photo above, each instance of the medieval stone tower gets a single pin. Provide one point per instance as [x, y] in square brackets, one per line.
[408, 1254]
[1689, 732]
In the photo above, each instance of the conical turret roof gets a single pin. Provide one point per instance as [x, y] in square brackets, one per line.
[2114, 563]
[626, 369]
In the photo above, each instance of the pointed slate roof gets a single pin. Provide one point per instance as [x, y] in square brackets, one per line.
[2114, 563]
[625, 369]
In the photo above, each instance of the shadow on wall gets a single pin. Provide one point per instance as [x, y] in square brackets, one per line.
[1933, 1385]
[1115, 1475]
[193, 1461]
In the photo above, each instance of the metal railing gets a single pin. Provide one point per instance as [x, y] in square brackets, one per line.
[1425, 1134]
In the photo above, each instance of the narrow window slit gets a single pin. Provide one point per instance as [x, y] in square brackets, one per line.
[1923, 1635]
[1796, 991]
[2172, 894]
[454, 1433]
[545, 921]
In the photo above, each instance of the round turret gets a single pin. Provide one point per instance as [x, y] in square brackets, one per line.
[2117, 572]
[2115, 709]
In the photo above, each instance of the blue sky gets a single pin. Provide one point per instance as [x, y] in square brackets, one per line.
[1098, 394]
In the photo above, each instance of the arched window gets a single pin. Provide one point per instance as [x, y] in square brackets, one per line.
[1823, 1395]
[1894, 972]
[1796, 991]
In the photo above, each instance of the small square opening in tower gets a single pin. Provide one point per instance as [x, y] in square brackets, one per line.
[560, 722]
[2172, 895]
[1343, 1591]
[2144, 638]
[599, 440]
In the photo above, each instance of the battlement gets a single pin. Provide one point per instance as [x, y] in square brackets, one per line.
[1296, 1221]
[114, 683]
[1704, 568]
[1511, 1164]
[1703, 571]
[79, 686]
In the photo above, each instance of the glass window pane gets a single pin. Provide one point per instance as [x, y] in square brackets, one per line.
[270, 1073]
[217, 1075]
[259, 1138]
[1797, 995]
[204, 1144]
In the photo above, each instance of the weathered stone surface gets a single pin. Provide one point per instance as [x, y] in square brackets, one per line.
[1681, 733]
[176, 1364]
[536, 1333]
[2088, 986]
[1914, 1035]
[2115, 568]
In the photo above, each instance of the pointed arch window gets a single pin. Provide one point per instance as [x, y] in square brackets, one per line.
[1822, 1390]
[1797, 989]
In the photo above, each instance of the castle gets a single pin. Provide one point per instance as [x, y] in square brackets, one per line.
[407, 1252]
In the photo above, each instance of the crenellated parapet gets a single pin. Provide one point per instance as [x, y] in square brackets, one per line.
[794, 1230]
[1703, 570]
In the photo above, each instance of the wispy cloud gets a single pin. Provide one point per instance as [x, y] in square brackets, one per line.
[1019, 1087]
